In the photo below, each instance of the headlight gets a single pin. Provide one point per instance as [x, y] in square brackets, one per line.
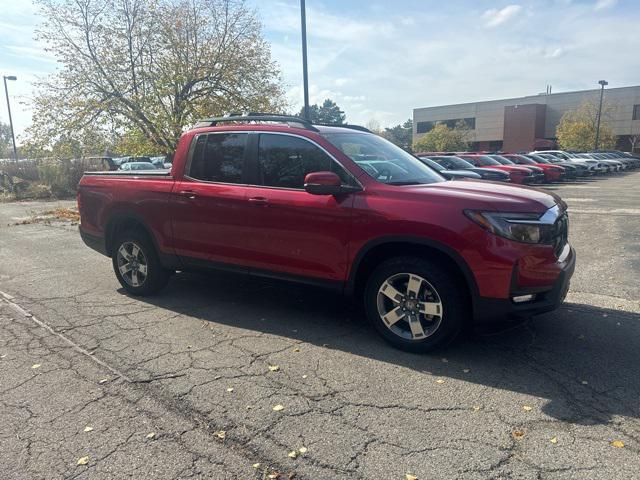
[521, 227]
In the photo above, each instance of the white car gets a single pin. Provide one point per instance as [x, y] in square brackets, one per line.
[594, 166]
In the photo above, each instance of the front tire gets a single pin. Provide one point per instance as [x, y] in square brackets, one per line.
[415, 304]
[136, 264]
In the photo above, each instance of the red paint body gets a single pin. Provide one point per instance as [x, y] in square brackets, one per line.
[519, 175]
[552, 173]
[324, 237]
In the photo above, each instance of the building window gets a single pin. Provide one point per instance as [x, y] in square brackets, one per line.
[424, 127]
[636, 112]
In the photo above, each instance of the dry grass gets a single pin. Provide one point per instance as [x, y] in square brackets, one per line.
[60, 213]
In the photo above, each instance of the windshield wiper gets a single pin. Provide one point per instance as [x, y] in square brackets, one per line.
[404, 183]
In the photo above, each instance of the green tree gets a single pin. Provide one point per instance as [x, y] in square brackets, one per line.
[577, 128]
[149, 68]
[401, 135]
[441, 138]
[328, 112]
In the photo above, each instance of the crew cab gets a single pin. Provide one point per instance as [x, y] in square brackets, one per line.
[339, 207]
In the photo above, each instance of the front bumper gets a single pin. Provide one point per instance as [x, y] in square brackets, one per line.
[546, 299]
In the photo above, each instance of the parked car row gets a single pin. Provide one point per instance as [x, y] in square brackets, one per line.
[528, 168]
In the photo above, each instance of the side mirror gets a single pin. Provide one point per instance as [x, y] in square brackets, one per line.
[322, 183]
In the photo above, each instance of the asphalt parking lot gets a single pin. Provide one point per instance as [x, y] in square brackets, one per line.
[223, 377]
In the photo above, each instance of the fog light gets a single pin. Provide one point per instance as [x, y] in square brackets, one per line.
[523, 298]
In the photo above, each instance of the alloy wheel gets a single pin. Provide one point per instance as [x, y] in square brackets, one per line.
[409, 306]
[132, 264]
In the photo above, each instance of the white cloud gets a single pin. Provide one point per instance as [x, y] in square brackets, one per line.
[495, 17]
[604, 4]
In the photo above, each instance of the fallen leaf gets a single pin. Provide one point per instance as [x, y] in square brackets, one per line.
[445, 360]
[35, 365]
[292, 454]
[273, 475]
[554, 440]
[408, 476]
[221, 434]
[517, 434]
[3, 355]
[581, 337]
[527, 408]
[296, 349]
[475, 408]
[83, 461]
[584, 382]
[256, 465]
[274, 368]
[151, 435]
[305, 376]
[249, 407]
[440, 380]
[88, 429]
[277, 408]
[217, 377]
[230, 389]
[104, 380]
[617, 444]
[466, 370]
[303, 450]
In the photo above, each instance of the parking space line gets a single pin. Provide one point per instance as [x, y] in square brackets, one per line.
[9, 300]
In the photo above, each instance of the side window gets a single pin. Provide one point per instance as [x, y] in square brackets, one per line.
[284, 161]
[219, 157]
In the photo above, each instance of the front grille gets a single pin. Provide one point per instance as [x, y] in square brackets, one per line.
[561, 233]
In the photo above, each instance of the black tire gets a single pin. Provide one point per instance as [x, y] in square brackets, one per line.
[156, 277]
[452, 293]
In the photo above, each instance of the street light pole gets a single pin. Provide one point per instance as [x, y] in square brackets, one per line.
[305, 76]
[6, 92]
[602, 84]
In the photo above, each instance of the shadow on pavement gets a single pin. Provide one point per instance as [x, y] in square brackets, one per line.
[583, 359]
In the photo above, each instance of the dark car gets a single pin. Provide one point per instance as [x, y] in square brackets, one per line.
[449, 174]
[457, 163]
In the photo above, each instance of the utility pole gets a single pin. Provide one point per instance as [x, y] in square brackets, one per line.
[6, 92]
[305, 75]
[602, 84]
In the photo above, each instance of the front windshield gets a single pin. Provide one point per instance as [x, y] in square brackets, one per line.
[484, 159]
[526, 160]
[430, 163]
[382, 160]
[458, 162]
[502, 160]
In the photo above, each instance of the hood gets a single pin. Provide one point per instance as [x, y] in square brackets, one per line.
[490, 196]
[509, 168]
[486, 171]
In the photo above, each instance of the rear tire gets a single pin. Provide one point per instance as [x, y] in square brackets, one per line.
[136, 264]
[415, 304]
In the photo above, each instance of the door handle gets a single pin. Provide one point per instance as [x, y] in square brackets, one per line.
[258, 201]
[190, 194]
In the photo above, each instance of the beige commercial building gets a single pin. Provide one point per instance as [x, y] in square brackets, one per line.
[526, 123]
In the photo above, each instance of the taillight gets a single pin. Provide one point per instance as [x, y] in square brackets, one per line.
[79, 199]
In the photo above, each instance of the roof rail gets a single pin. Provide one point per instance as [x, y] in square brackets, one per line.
[345, 125]
[257, 117]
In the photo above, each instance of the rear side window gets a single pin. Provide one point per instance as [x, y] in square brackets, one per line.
[284, 161]
[219, 157]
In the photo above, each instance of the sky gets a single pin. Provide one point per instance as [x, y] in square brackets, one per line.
[381, 59]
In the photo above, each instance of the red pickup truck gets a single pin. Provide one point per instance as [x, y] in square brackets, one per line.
[339, 207]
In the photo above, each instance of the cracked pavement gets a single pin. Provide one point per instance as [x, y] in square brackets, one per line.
[194, 360]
